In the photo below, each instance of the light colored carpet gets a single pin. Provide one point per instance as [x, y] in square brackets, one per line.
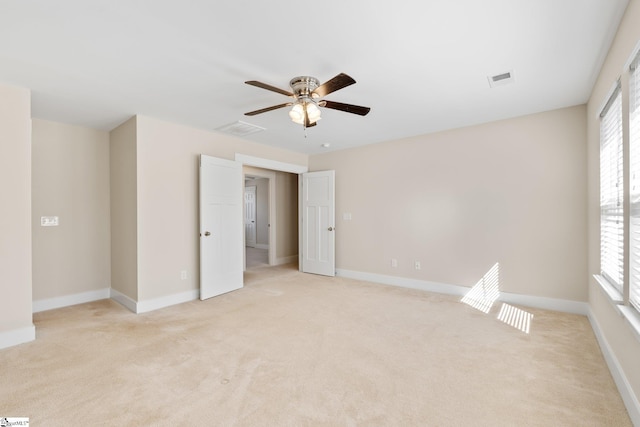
[256, 257]
[292, 349]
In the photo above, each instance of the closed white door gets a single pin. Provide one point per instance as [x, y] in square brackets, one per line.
[250, 216]
[221, 213]
[318, 223]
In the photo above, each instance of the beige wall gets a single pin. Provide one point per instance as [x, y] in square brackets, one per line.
[287, 215]
[511, 192]
[15, 216]
[167, 172]
[71, 181]
[619, 335]
[124, 216]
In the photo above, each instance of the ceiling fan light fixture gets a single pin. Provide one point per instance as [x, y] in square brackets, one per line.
[297, 114]
[313, 112]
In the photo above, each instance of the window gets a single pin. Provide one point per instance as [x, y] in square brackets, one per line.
[634, 189]
[611, 192]
[619, 277]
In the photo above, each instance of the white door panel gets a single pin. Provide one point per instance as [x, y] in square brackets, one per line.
[221, 239]
[318, 223]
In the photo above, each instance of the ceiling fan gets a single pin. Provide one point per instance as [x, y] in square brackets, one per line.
[306, 92]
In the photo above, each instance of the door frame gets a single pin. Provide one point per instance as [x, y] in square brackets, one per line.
[272, 166]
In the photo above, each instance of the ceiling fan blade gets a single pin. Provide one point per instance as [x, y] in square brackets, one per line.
[349, 108]
[264, 110]
[268, 87]
[338, 82]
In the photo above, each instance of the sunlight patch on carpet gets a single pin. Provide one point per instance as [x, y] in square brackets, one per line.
[515, 317]
[484, 293]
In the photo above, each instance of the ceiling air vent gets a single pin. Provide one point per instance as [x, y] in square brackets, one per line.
[240, 128]
[501, 79]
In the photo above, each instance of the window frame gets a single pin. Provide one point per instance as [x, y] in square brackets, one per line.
[632, 292]
[629, 86]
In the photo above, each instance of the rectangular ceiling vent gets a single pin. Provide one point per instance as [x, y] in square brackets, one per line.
[501, 79]
[240, 128]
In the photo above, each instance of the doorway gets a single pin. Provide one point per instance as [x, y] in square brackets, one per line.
[276, 218]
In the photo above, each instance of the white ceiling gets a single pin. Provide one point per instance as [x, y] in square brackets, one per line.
[421, 66]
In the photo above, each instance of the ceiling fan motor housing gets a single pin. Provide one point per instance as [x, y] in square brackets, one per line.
[303, 86]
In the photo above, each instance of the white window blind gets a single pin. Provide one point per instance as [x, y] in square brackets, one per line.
[611, 192]
[634, 190]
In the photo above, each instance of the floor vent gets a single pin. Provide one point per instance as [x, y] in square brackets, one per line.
[501, 79]
[240, 128]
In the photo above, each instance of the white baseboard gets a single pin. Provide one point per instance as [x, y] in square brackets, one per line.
[286, 260]
[261, 246]
[17, 336]
[554, 304]
[624, 388]
[155, 303]
[404, 282]
[124, 300]
[566, 306]
[167, 301]
[67, 300]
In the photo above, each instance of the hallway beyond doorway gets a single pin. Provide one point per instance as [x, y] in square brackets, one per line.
[256, 257]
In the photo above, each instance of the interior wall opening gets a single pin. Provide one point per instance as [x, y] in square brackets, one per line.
[271, 218]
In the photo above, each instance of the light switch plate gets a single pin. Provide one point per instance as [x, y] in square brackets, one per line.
[49, 221]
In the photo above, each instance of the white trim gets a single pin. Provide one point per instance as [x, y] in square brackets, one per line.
[624, 388]
[124, 300]
[261, 246]
[17, 336]
[403, 282]
[67, 300]
[567, 306]
[554, 304]
[259, 162]
[155, 303]
[613, 294]
[286, 259]
[166, 301]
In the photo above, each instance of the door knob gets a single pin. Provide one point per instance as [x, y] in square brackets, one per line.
[206, 233]
[330, 228]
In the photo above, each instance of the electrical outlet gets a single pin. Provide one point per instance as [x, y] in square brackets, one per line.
[49, 221]
[417, 264]
[183, 275]
[394, 262]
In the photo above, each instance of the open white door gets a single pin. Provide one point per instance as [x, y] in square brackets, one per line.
[221, 222]
[318, 223]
